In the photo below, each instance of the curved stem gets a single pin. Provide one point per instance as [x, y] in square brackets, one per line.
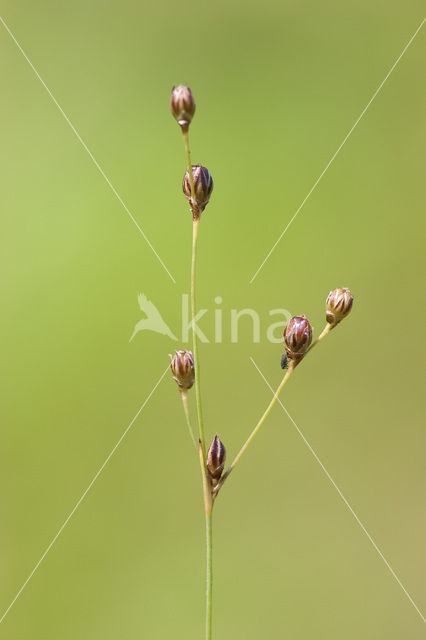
[186, 410]
[251, 437]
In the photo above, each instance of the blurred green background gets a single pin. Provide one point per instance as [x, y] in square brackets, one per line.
[278, 85]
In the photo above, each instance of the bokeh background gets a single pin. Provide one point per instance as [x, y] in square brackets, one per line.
[278, 85]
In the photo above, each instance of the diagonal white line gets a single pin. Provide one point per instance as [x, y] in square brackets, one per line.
[86, 148]
[340, 147]
[84, 494]
[343, 498]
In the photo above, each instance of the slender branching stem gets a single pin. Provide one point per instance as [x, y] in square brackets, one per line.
[328, 327]
[253, 434]
[291, 368]
[184, 397]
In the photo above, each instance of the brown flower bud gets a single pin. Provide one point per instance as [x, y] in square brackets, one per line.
[338, 304]
[182, 104]
[183, 370]
[216, 457]
[297, 337]
[203, 187]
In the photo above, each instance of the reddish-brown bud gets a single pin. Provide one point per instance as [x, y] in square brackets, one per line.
[203, 187]
[216, 457]
[183, 370]
[338, 305]
[182, 104]
[297, 337]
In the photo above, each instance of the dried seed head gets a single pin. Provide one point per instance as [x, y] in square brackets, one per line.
[183, 370]
[182, 104]
[203, 187]
[216, 457]
[297, 337]
[338, 304]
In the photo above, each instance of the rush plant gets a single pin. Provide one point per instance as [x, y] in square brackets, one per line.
[185, 366]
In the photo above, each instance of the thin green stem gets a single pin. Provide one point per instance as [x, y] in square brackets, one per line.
[195, 225]
[328, 327]
[206, 483]
[209, 574]
[291, 368]
[186, 411]
[207, 489]
[193, 282]
[188, 162]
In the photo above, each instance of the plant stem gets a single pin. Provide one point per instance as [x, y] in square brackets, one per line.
[207, 489]
[195, 225]
[251, 437]
[206, 484]
[291, 368]
[188, 161]
[208, 508]
[188, 421]
[209, 574]
[328, 327]
[196, 222]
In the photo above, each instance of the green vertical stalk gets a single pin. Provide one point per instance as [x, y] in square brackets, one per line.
[195, 226]
[196, 222]
[202, 449]
[209, 574]
[188, 161]
[206, 484]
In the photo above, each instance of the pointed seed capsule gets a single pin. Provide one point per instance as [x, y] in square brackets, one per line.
[203, 187]
[297, 337]
[216, 457]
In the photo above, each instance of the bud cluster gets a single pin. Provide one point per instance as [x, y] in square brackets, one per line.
[183, 370]
[197, 186]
